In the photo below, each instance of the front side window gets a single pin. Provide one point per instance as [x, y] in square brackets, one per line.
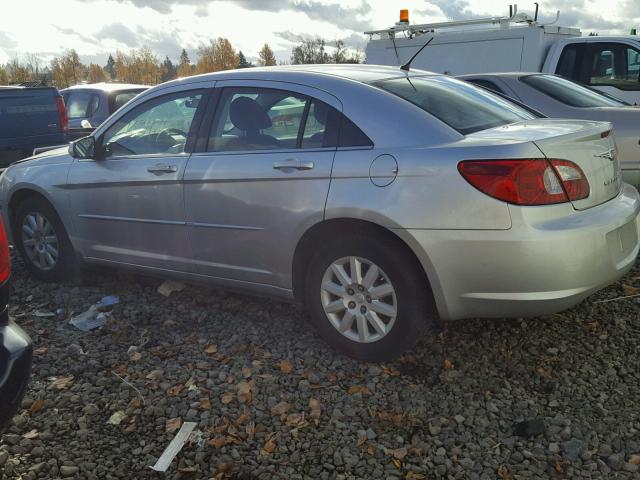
[570, 93]
[464, 107]
[615, 64]
[81, 104]
[160, 125]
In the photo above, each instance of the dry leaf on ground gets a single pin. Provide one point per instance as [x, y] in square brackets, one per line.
[219, 442]
[447, 364]
[61, 383]
[31, 434]
[314, 405]
[634, 459]
[285, 366]
[630, 290]
[175, 390]
[155, 375]
[398, 453]
[227, 397]
[37, 406]
[40, 351]
[280, 408]
[205, 404]
[269, 445]
[296, 420]
[359, 389]
[173, 424]
[211, 349]
[246, 390]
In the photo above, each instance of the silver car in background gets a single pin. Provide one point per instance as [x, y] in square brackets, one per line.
[379, 198]
[557, 97]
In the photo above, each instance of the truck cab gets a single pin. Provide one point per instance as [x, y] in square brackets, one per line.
[514, 43]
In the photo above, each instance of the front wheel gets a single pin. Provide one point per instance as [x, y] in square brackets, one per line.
[42, 241]
[368, 298]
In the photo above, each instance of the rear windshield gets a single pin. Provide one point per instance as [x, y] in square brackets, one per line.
[462, 106]
[571, 93]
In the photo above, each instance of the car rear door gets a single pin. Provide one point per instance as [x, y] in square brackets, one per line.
[128, 206]
[259, 180]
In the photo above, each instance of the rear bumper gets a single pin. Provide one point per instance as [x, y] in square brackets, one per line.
[15, 368]
[552, 258]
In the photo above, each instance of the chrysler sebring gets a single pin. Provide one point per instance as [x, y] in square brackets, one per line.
[379, 198]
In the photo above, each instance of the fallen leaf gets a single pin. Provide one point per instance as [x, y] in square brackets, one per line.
[246, 372]
[205, 404]
[504, 473]
[250, 429]
[37, 406]
[191, 469]
[242, 419]
[40, 351]
[630, 290]
[211, 349]
[175, 390]
[269, 445]
[359, 389]
[280, 408]
[398, 453]
[414, 476]
[285, 366]
[296, 420]
[62, 383]
[219, 442]
[135, 403]
[227, 398]
[634, 459]
[332, 377]
[117, 417]
[396, 463]
[225, 471]
[392, 372]
[314, 405]
[246, 390]
[173, 424]
[447, 364]
[361, 441]
[120, 370]
[31, 434]
[135, 356]
[371, 450]
[155, 375]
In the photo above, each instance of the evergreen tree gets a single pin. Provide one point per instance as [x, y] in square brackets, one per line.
[242, 61]
[169, 70]
[110, 68]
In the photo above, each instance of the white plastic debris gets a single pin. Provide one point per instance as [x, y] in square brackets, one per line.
[96, 316]
[170, 286]
[174, 447]
[40, 314]
[117, 417]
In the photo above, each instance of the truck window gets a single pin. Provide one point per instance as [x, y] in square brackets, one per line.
[570, 61]
[460, 105]
[614, 64]
[570, 93]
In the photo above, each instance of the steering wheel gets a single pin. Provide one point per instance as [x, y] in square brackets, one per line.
[167, 133]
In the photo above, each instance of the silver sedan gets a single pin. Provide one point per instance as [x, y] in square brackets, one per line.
[557, 97]
[378, 198]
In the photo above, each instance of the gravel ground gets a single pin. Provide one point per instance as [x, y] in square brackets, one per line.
[271, 400]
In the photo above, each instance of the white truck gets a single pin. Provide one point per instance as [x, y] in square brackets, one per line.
[514, 43]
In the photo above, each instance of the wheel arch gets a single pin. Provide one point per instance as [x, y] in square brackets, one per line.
[18, 196]
[316, 234]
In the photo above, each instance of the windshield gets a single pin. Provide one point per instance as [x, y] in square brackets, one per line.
[571, 93]
[462, 106]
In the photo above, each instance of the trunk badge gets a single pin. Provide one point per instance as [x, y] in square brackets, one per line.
[609, 155]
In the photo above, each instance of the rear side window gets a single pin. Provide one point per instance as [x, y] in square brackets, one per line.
[464, 107]
[81, 104]
[487, 84]
[570, 61]
[570, 93]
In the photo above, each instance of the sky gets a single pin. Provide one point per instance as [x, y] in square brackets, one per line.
[95, 28]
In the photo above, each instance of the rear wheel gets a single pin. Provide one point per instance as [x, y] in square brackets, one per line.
[42, 241]
[367, 297]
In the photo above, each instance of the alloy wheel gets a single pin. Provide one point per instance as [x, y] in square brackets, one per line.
[359, 299]
[40, 241]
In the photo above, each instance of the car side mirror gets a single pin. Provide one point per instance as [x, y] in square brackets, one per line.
[83, 148]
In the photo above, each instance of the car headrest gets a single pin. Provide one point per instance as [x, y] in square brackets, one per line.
[247, 115]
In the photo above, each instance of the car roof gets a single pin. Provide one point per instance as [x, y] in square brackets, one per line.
[106, 87]
[502, 74]
[363, 73]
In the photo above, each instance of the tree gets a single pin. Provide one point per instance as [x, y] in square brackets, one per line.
[184, 68]
[310, 51]
[340, 55]
[4, 77]
[17, 71]
[95, 73]
[168, 70]
[242, 61]
[110, 68]
[67, 70]
[217, 55]
[267, 58]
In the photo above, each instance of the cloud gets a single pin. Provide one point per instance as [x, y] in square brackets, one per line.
[120, 33]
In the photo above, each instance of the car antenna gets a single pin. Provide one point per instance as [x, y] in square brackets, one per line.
[406, 67]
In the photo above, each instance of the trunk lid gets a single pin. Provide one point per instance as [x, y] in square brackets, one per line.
[588, 144]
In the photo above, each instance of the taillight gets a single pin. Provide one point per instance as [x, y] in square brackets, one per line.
[527, 181]
[62, 112]
[5, 260]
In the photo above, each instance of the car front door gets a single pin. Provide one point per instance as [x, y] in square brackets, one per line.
[128, 204]
[260, 180]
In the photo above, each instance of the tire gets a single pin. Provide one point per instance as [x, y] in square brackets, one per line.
[64, 265]
[411, 297]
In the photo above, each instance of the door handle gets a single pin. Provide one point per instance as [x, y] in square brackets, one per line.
[158, 169]
[292, 164]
